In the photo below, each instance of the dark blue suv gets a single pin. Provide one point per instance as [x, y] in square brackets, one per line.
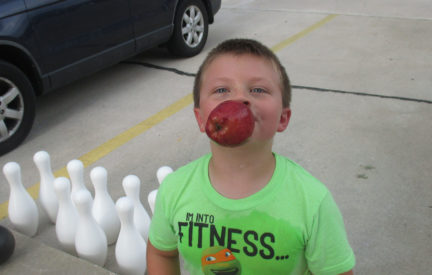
[46, 44]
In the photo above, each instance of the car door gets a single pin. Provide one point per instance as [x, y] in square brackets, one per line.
[152, 21]
[77, 37]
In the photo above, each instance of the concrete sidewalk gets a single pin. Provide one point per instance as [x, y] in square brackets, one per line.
[32, 256]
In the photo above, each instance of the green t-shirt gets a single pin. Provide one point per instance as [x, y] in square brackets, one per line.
[291, 226]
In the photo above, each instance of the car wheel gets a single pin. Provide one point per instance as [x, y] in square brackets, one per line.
[17, 107]
[190, 29]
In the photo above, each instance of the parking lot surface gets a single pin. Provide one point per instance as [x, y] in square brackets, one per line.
[361, 122]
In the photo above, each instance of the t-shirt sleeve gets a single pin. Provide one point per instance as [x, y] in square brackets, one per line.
[327, 249]
[161, 233]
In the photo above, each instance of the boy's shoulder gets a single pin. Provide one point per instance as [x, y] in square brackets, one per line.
[299, 178]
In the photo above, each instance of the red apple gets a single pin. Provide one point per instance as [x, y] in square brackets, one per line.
[230, 123]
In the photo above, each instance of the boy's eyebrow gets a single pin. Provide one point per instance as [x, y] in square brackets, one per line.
[263, 80]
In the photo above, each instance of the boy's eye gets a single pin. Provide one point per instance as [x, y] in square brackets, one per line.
[257, 90]
[221, 90]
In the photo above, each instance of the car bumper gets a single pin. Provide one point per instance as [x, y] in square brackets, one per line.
[215, 6]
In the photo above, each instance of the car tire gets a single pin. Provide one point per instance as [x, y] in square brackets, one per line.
[17, 107]
[190, 29]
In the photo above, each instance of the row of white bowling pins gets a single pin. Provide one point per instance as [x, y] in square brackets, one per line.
[73, 228]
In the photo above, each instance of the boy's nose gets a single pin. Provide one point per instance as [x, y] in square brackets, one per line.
[241, 97]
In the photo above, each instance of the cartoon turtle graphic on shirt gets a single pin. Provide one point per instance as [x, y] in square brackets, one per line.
[218, 260]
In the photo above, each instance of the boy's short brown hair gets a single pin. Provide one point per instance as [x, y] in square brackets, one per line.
[239, 47]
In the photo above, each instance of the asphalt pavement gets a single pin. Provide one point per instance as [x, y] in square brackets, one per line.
[361, 123]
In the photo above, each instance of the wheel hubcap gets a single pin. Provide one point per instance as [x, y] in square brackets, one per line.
[11, 108]
[192, 26]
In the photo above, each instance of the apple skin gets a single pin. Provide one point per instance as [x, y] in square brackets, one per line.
[230, 123]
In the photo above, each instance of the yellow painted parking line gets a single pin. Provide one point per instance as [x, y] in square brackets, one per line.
[304, 32]
[112, 144]
[138, 129]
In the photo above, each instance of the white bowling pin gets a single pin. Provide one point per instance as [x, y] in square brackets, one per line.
[75, 169]
[47, 195]
[131, 186]
[104, 210]
[152, 199]
[67, 217]
[162, 172]
[22, 209]
[90, 240]
[130, 250]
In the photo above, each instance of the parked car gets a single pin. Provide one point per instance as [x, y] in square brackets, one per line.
[46, 44]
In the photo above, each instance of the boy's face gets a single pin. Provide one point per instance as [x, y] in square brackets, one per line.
[245, 78]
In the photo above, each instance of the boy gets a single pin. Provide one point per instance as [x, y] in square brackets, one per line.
[244, 209]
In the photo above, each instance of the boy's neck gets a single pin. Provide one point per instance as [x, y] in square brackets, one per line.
[241, 171]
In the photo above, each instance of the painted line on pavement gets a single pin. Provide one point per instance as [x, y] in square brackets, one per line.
[114, 143]
[299, 35]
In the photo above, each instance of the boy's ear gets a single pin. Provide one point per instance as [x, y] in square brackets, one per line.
[284, 119]
[199, 119]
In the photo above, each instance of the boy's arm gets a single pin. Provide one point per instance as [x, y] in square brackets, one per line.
[161, 262]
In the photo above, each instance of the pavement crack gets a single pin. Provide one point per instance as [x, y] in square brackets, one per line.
[179, 72]
[362, 94]
[149, 65]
